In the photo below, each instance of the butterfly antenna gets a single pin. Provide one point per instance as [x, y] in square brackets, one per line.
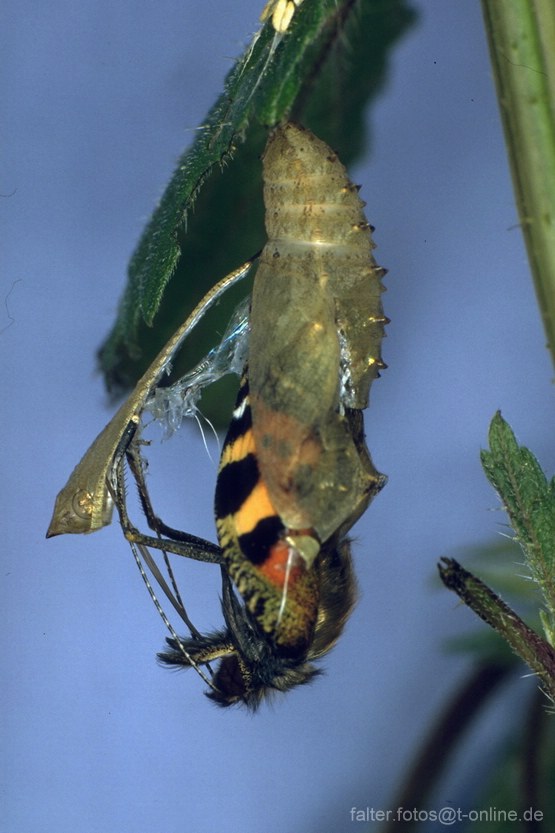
[137, 548]
[175, 588]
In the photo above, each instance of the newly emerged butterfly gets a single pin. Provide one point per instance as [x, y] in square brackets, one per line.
[295, 473]
[257, 656]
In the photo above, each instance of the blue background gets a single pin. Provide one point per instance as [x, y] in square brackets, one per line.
[98, 100]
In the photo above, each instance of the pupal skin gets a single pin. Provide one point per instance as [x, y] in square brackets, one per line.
[316, 329]
[85, 503]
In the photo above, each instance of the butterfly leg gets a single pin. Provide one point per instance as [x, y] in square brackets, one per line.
[176, 541]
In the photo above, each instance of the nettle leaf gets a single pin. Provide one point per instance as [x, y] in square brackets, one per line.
[528, 498]
[321, 71]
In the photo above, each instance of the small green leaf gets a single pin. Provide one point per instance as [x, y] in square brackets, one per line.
[529, 501]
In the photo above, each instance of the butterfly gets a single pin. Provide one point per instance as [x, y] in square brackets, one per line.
[295, 473]
[289, 612]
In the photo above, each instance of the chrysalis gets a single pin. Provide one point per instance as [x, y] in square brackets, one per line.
[316, 328]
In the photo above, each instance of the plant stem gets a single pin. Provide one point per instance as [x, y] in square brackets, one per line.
[521, 35]
[524, 641]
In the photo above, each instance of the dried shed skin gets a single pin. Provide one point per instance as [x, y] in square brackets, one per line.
[84, 504]
[316, 328]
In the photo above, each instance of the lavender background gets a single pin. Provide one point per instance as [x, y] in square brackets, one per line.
[98, 100]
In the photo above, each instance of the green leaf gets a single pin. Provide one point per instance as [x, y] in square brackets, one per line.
[529, 501]
[321, 72]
